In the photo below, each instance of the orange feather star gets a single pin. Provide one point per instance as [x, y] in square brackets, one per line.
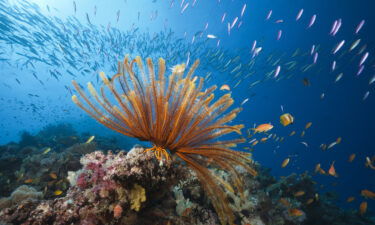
[177, 117]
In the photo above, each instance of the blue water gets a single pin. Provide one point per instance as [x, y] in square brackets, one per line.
[342, 113]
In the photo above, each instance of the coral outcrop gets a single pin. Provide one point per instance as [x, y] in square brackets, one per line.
[43, 160]
[134, 188]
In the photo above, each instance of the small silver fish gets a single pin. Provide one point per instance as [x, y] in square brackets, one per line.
[338, 47]
[299, 14]
[223, 17]
[359, 27]
[333, 67]
[243, 9]
[277, 71]
[333, 27]
[269, 15]
[305, 144]
[279, 33]
[360, 70]
[316, 57]
[337, 28]
[244, 101]
[339, 77]
[363, 59]
[372, 80]
[366, 95]
[234, 22]
[355, 44]
[312, 21]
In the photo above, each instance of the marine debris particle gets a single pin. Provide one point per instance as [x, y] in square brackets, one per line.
[178, 117]
[137, 196]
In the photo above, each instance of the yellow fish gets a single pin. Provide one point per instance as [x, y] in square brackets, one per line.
[292, 133]
[90, 139]
[46, 151]
[285, 163]
[351, 157]
[58, 192]
[308, 125]
[286, 119]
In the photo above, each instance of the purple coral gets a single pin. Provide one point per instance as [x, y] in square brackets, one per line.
[82, 181]
[93, 175]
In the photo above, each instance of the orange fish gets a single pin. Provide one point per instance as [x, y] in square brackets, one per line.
[263, 128]
[362, 208]
[338, 140]
[309, 201]
[263, 139]
[350, 199]
[332, 170]
[285, 202]
[319, 169]
[53, 175]
[295, 212]
[351, 157]
[299, 193]
[28, 181]
[368, 194]
[225, 87]
[254, 143]
[285, 163]
[308, 125]
[292, 133]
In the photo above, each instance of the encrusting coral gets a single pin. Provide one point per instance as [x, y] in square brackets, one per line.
[177, 117]
[22, 193]
[137, 196]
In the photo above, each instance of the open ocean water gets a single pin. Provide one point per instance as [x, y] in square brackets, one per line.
[312, 61]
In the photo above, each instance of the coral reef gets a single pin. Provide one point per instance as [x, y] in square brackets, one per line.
[109, 187]
[43, 160]
[134, 188]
